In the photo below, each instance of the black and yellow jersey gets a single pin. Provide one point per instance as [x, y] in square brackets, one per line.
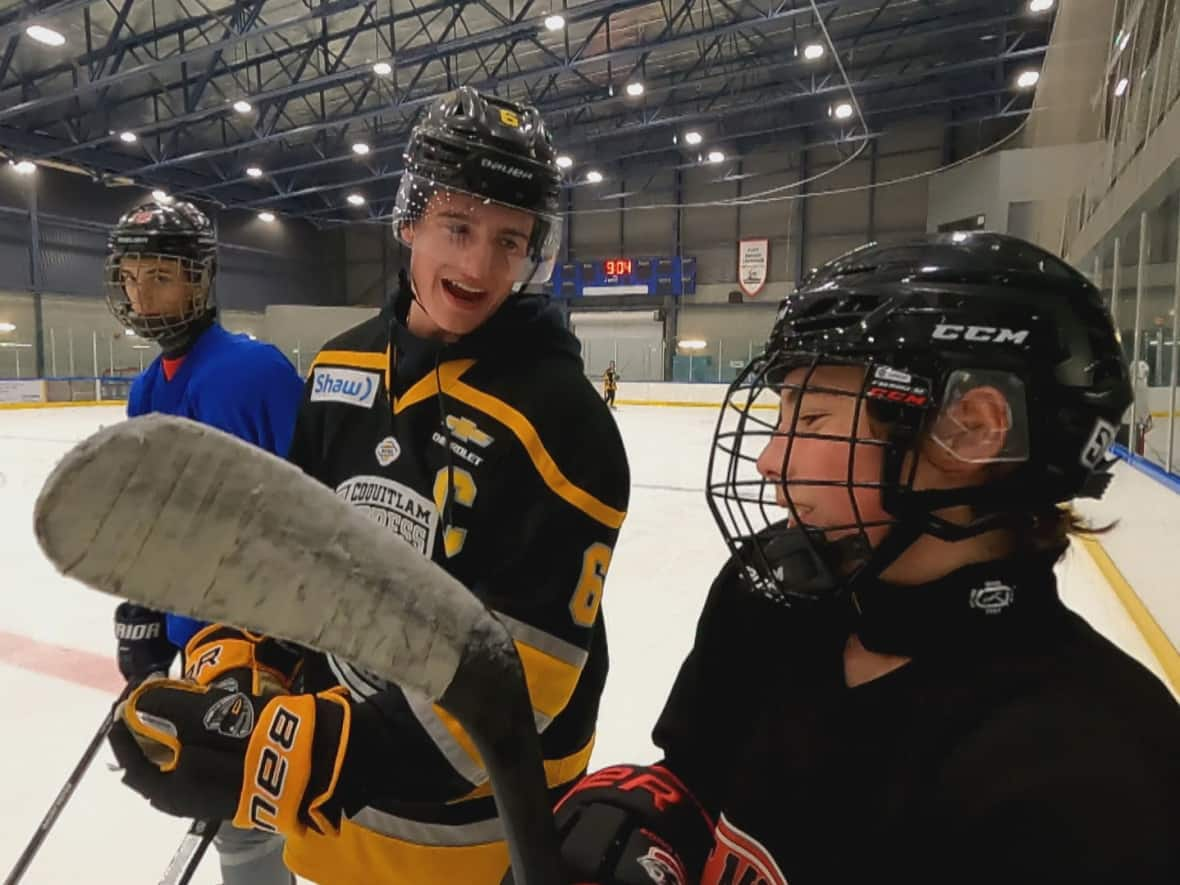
[495, 457]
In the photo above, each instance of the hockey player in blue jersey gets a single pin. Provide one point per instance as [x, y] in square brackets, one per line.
[161, 260]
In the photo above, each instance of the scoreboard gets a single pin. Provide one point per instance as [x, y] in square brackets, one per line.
[674, 276]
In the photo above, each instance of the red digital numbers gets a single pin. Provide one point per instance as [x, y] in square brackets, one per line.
[617, 267]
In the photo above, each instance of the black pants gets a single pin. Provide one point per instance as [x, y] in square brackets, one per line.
[610, 397]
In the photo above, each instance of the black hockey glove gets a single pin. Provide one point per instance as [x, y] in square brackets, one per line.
[144, 647]
[268, 762]
[633, 825]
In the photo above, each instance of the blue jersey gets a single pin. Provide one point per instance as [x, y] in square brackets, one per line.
[230, 382]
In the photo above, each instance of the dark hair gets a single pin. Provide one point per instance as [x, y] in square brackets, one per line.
[1052, 528]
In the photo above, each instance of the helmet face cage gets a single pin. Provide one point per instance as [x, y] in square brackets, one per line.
[195, 274]
[758, 442]
[458, 221]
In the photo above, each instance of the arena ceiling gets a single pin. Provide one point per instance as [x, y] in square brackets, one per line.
[144, 91]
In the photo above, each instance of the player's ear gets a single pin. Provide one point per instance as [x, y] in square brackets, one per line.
[971, 431]
[406, 232]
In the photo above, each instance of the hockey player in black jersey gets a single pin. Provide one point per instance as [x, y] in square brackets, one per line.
[461, 419]
[884, 685]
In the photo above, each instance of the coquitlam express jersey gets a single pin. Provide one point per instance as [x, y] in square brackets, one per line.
[1018, 747]
[495, 457]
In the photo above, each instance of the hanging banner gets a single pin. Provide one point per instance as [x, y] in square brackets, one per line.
[753, 264]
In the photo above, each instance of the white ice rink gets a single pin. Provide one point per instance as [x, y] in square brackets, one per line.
[57, 676]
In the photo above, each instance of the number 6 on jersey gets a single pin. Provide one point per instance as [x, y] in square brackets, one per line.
[588, 595]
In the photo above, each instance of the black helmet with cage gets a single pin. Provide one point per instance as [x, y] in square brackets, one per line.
[494, 150]
[177, 236]
[927, 321]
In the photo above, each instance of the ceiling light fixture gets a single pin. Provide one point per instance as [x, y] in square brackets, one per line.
[1028, 79]
[45, 35]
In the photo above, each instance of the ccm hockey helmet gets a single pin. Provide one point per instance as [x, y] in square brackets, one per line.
[924, 322]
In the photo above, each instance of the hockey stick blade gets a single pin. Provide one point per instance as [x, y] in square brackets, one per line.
[183, 518]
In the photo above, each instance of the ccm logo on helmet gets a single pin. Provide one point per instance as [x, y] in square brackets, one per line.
[987, 334]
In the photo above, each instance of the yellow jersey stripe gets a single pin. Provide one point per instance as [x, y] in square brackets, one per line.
[520, 426]
[551, 683]
[361, 854]
[357, 359]
[550, 473]
[427, 386]
[557, 771]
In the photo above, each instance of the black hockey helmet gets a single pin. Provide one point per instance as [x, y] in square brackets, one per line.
[491, 149]
[927, 320]
[177, 236]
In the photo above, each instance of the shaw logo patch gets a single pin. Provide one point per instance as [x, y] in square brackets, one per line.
[388, 451]
[344, 386]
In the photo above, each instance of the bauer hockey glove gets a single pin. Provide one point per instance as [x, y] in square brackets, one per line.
[214, 753]
[235, 659]
[143, 645]
[633, 825]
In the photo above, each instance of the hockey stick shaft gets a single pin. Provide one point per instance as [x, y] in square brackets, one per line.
[189, 853]
[64, 794]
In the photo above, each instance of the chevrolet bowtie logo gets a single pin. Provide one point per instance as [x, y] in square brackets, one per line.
[464, 429]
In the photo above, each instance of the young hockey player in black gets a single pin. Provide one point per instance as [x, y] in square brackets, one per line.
[461, 419]
[885, 686]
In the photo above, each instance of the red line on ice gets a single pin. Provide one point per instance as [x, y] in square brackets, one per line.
[69, 664]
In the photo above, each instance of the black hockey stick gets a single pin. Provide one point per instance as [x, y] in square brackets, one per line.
[184, 518]
[63, 795]
[189, 853]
